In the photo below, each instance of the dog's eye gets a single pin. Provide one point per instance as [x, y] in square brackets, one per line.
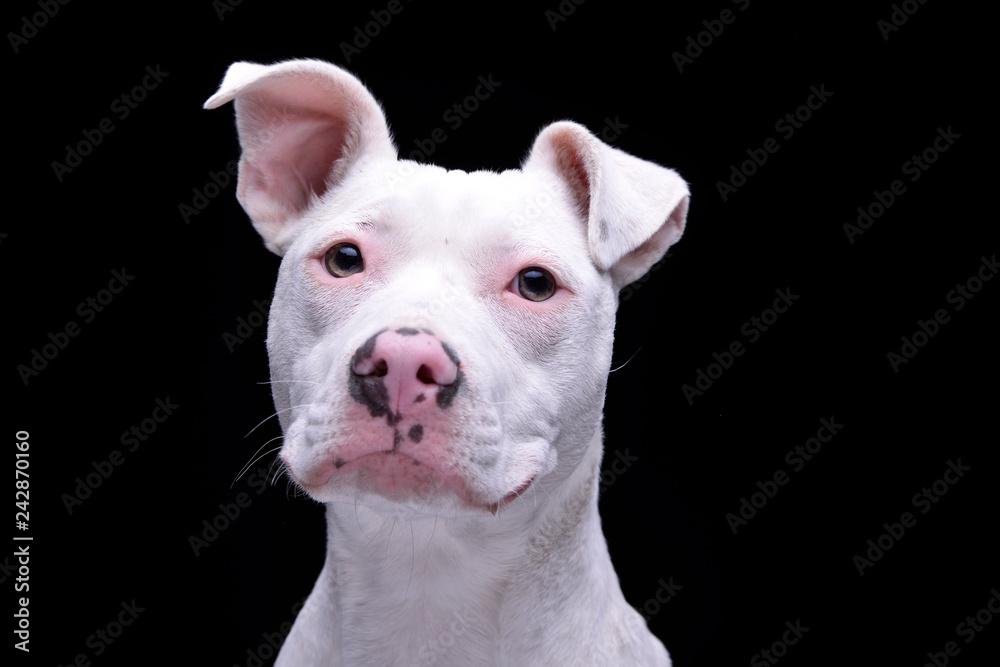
[344, 259]
[535, 284]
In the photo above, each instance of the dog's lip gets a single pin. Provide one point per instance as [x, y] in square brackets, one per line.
[519, 490]
[512, 496]
[339, 463]
[442, 477]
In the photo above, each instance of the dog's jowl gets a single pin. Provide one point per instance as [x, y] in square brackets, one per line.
[439, 344]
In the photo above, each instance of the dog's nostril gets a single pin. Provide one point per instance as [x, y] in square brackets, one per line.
[379, 369]
[425, 374]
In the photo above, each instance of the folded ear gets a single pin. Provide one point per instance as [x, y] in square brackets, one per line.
[634, 209]
[303, 124]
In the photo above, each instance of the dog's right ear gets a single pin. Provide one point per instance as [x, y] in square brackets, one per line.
[303, 124]
[633, 209]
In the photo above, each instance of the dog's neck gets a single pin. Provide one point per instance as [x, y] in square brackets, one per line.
[467, 591]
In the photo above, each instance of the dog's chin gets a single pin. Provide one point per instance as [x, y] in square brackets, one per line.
[396, 484]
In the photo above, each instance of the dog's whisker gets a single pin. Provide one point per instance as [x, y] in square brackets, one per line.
[247, 468]
[253, 460]
[282, 468]
[430, 539]
[388, 538]
[500, 403]
[273, 415]
[290, 381]
[262, 422]
[413, 558]
[627, 361]
[292, 486]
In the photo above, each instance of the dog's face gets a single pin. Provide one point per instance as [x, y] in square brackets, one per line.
[439, 340]
[499, 286]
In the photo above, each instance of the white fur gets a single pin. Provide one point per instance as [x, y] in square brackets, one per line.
[457, 570]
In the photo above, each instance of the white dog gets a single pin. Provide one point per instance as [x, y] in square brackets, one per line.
[439, 345]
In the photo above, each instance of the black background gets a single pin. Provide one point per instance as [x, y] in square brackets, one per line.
[665, 515]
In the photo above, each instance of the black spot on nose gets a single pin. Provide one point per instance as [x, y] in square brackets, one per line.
[416, 432]
[446, 394]
[369, 391]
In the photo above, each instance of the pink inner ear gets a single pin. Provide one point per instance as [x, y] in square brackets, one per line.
[574, 169]
[294, 164]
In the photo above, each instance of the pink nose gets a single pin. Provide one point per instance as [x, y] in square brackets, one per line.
[404, 371]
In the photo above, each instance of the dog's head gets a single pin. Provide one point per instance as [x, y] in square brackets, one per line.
[439, 340]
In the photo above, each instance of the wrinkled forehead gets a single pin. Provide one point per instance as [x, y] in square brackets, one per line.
[479, 207]
[430, 206]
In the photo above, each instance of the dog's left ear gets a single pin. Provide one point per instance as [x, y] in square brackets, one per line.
[303, 125]
[634, 209]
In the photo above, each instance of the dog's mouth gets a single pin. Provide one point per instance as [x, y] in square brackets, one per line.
[400, 477]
